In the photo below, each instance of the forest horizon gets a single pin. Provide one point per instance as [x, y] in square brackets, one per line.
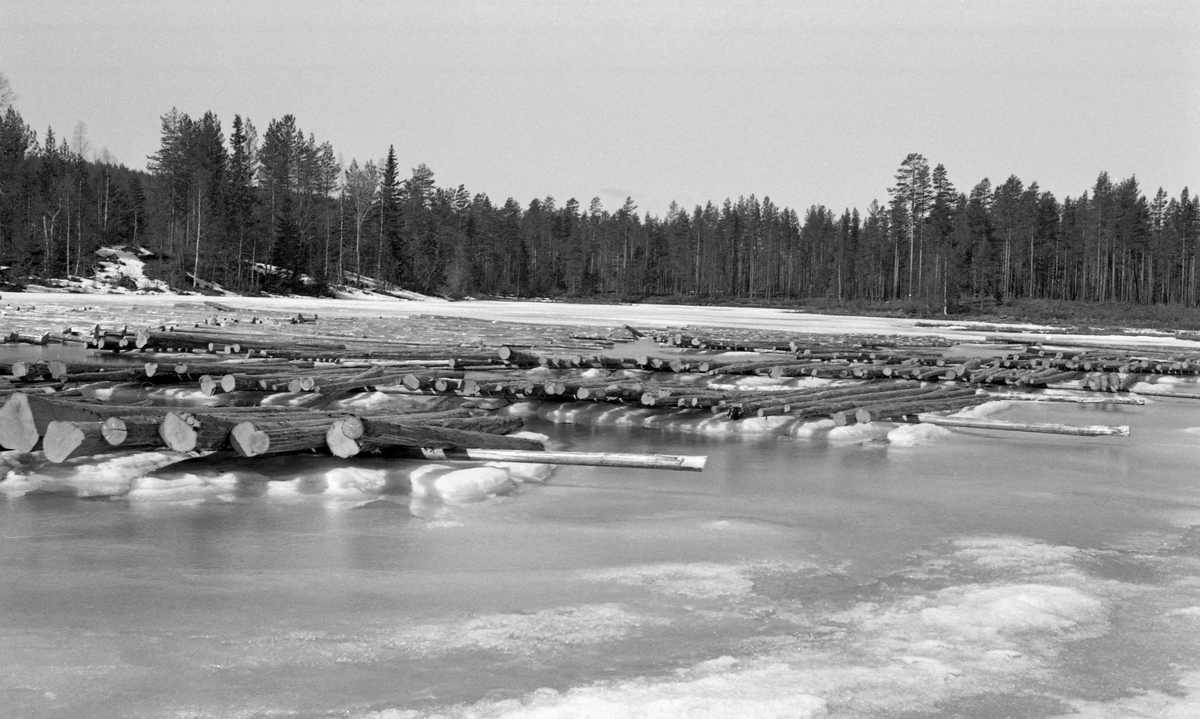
[281, 213]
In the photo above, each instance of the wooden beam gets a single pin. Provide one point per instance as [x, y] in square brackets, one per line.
[971, 423]
[685, 463]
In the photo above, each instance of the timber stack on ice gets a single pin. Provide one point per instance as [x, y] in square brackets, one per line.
[284, 384]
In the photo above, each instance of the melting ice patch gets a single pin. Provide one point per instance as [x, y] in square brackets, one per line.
[910, 435]
[762, 693]
[908, 652]
[991, 612]
[186, 489]
[459, 486]
[699, 579]
[1150, 705]
[101, 476]
[526, 634]
[858, 433]
[703, 422]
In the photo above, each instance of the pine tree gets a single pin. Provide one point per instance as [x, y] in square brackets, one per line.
[390, 224]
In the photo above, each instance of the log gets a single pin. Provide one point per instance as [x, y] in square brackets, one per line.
[19, 428]
[817, 408]
[1077, 399]
[685, 463]
[1076, 430]
[348, 436]
[185, 432]
[1153, 392]
[112, 375]
[932, 403]
[797, 397]
[518, 358]
[65, 440]
[258, 437]
[29, 371]
[131, 432]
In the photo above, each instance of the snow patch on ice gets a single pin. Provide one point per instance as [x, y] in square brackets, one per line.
[1150, 705]
[355, 482]
[983, 613]
[185, 489]
[768, 693]
[476, 484]
[700, 579]
[1185, 612]
[983, 410]
[102, 476]
[560, 627]
[910, 435]
[1016, 554]
[852, 433]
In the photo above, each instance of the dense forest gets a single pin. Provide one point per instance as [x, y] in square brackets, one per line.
[278, 212]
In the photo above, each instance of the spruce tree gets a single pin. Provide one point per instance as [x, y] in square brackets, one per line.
[390, 235]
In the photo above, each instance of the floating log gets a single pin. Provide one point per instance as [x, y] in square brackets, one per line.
[1154, 392]
[1077, 399]
[517, 358]
[782, 399]
[258, 437]
[349, 436]
[185, 432]
[302, 430]
[18, 427]
[831, 407]
[30, 371]
[685, 463]
[132, 432]
[971, 423]
[66, 440]
[929, 403]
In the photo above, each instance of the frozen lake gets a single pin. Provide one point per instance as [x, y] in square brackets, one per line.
[848, 573]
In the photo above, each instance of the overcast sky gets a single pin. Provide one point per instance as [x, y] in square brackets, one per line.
[808, 103]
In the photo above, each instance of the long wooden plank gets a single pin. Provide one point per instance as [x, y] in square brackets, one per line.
[684, 463]
[1096, 430]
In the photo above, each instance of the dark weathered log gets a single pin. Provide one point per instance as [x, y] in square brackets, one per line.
[59, 369]
[931, 403]
[132, 432]
[744, 407]
[673, 399]
[617, 391]
[65, 440]
[113, 375]
[186, 432]
[829, 407]
[1081, 431]
[1043, 379]
[368, 378]
[258, 437]
[351, 435]
[517, 358]
[1074, 398]
[30, 371]
[750, 367]
[30, 338]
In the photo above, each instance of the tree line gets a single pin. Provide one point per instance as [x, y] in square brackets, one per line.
[281, 212]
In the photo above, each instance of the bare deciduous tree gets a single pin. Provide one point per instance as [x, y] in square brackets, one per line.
[7, 96]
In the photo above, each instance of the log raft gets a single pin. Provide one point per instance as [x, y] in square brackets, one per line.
[892, 379]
